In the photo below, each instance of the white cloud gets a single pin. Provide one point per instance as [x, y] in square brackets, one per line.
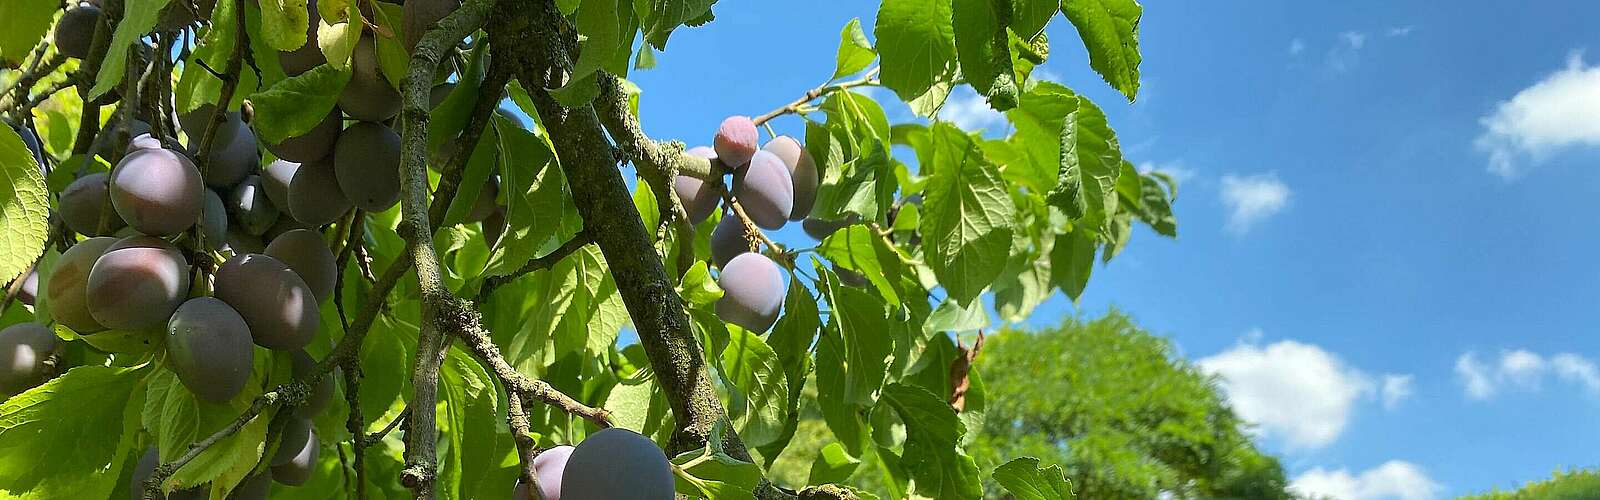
[1524, 370]
[1296, 46]
[1346, 51]
[1401, 30]
[1394, 479]
[1354, 39]
[1395, 388]
[968, 110]
[1252, 198]
[1177, 169]
[1554, 114]
[1293, 391]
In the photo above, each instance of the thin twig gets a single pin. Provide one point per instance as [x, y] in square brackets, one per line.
[869, 79]
[492, 283]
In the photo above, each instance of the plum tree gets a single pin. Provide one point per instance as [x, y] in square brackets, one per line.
[233, 154]
[145, 468]
[700, 197]
[304, 251]
[752, 292]
[277, 305]
[137, 284]
[764, 188]
[297, 453]
[252, 210]
[321, 395]
[314, 194]
[309, 55]
[802, 172]
[313, 145]
[366, 162]
[368, 96]
[736, 141]
[67, 290]
[616, 464]
[75, 31]
[157, 191]
[214, 219]
[728, 240]
[87, 201]
[210, 348]
[25, 349]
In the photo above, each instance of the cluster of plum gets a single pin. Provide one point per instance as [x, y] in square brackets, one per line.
[74, 33]
[774, 184]
[613, 464]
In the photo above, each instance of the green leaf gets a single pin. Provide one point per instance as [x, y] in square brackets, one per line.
[338, 34]
[1071, 261]
[638, 404]
[197, 86]
[832, 465]
[601, 23]
[954, 317]
[1029, 17]
[859, 119]
[758, 397]
[577, 92]
[932, 454]
[61, 438]
[596, 315]
[468, 424]
[916, 44]
[663, 16]
[393, 58]
[857, 332]
[791, 340]
[1068, 128]
[862, 186]
[712, 472]
[860, 249]
[966, 215]
[1025, 480]
[296, 104]
[699, 289]
[1024, 284]
[27, 21]
[139, 17]
[480, 166]
[539, 209]
[855, 52]
[1110, 32]
[283, 23]
[983, 46]
[25, 215]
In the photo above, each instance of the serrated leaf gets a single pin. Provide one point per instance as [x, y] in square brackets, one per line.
[284, 23]
[539, 208]
[966, 215]
[393, 58]
[1071, 262]
[468, 425]
[951, 316]
[337, 36]
[858, 330]
[855, 51]
[832, 465]
[27, 21]
[932, 450]
[1029, 17]
[663, 16]
[60, 439]
[577, 92]
[916, 45]
[791, 340]
[139, 17]
[758, 397]
[1025, 480]
[1110, 32]
[699, 289]
[601, 22]
[983, 46]
[713, 473]
[860, 249]
[1057, 124]
[296, 104]
[25, 215]
[197, 87]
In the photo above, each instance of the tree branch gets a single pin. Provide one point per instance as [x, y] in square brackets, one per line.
[492, 283]
[871, 78]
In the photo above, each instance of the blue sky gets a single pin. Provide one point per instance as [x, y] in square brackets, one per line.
[1387, 243]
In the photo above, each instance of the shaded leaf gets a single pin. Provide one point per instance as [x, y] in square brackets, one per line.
[916, 44]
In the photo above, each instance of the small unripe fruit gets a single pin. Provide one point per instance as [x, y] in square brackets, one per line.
[24, 350]
[210, 348]
[304, 251]
[366, 160]
[699, 196]
[765, 191]
[752, 292]
[137, 284]
[157, 191]
[273, 300]
[736, 140]
[617, 464]
[75, 32]
[85, 202]
[69, 282]
[802, 171]
[727, 240]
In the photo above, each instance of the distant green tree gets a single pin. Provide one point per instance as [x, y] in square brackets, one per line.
[1580, 484]
[1119, 411]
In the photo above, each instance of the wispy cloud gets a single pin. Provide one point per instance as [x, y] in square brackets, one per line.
[1395, 479]
[1398, 31]
[1251, 199]
[1177, 169]
[1519, 369]
[1296, 46]
[1395, 389]
[1346, 51]
[1552, 115]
